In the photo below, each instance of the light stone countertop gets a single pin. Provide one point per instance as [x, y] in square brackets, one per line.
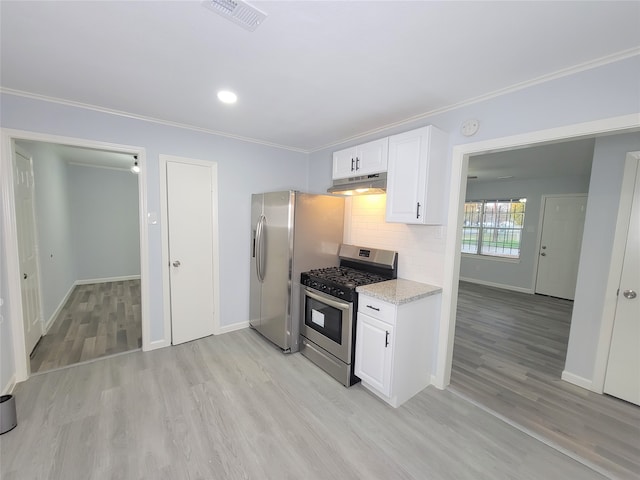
[398, 291]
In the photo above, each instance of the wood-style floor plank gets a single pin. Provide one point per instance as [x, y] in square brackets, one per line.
[234, 407]
[509, 354]
[97, 320]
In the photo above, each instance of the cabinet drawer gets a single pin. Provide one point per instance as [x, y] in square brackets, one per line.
[377, 309]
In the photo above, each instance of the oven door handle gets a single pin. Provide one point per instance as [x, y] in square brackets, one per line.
[326, 299]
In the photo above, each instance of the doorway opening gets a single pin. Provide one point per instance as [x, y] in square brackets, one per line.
[500, 300]
[93, 288]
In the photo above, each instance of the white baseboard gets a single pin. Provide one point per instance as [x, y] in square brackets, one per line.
[53, 316]
[11, 384]
[497, 285]
[577, 380]
[232, 328]
[156, 345]
[108, 279]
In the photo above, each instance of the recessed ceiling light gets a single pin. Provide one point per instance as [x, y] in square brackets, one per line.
[226, 96]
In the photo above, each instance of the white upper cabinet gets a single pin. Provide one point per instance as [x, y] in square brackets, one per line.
[416, 177]
[361, 160]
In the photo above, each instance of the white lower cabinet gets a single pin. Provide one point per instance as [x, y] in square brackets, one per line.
[394, 346]
[374, 352]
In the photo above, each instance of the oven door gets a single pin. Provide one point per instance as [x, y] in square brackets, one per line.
[328, 322]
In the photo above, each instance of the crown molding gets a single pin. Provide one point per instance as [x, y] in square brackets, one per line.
[120, 113]
[581, 67]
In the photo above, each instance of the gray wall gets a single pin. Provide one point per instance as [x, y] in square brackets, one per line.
[595, 257]
[55, 248]
[243, 168]
[606, 91]
[519, 274]
[104, 214]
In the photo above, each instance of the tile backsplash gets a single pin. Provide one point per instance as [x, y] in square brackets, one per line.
[420, 247]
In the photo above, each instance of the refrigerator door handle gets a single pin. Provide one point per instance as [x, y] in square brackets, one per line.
[260, 248]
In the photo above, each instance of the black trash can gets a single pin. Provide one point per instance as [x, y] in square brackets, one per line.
[8, 420]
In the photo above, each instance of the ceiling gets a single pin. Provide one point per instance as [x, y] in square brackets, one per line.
[313, 73]
[561, 159]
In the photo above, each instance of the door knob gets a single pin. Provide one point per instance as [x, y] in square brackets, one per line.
[630, 294]
[176, 263]
[543, 254]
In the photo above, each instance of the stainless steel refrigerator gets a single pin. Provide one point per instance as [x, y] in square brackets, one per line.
[292, 232]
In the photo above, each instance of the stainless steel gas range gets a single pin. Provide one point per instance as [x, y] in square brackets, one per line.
[330, 305]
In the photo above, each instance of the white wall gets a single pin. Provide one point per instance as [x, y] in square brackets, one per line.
[603, 92]
[7, 365]
[417, 245]
[599, 227]
[104, 219]
[518, 275]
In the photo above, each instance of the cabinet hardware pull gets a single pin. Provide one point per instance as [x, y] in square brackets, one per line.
[386, 339]
[418, 210]
[373, 308]
[352, 164]
[357, 164]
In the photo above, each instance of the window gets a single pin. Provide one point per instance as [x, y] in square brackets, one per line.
[493, 227]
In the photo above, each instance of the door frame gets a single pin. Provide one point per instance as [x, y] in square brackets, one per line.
[457, 190]
[632, 163]
[9, 233]
[543, 200]
[164, 232]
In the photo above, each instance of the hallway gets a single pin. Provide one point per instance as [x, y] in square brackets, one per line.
[98, 320]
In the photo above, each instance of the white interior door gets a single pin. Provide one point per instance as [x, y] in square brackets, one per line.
[561, 240]
[623, 368]
[190, 190]
[27, 249]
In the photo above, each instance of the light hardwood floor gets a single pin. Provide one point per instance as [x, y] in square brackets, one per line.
[509, 353]
[234, 407]
[97, 320]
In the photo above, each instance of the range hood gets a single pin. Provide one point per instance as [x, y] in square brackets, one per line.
[363, 185]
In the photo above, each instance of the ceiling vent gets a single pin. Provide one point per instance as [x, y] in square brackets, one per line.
[237, 11]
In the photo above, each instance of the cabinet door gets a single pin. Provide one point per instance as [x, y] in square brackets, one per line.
[372, 157]
[344, 163]
[416, 177]
[406, 176]
[374, 353]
